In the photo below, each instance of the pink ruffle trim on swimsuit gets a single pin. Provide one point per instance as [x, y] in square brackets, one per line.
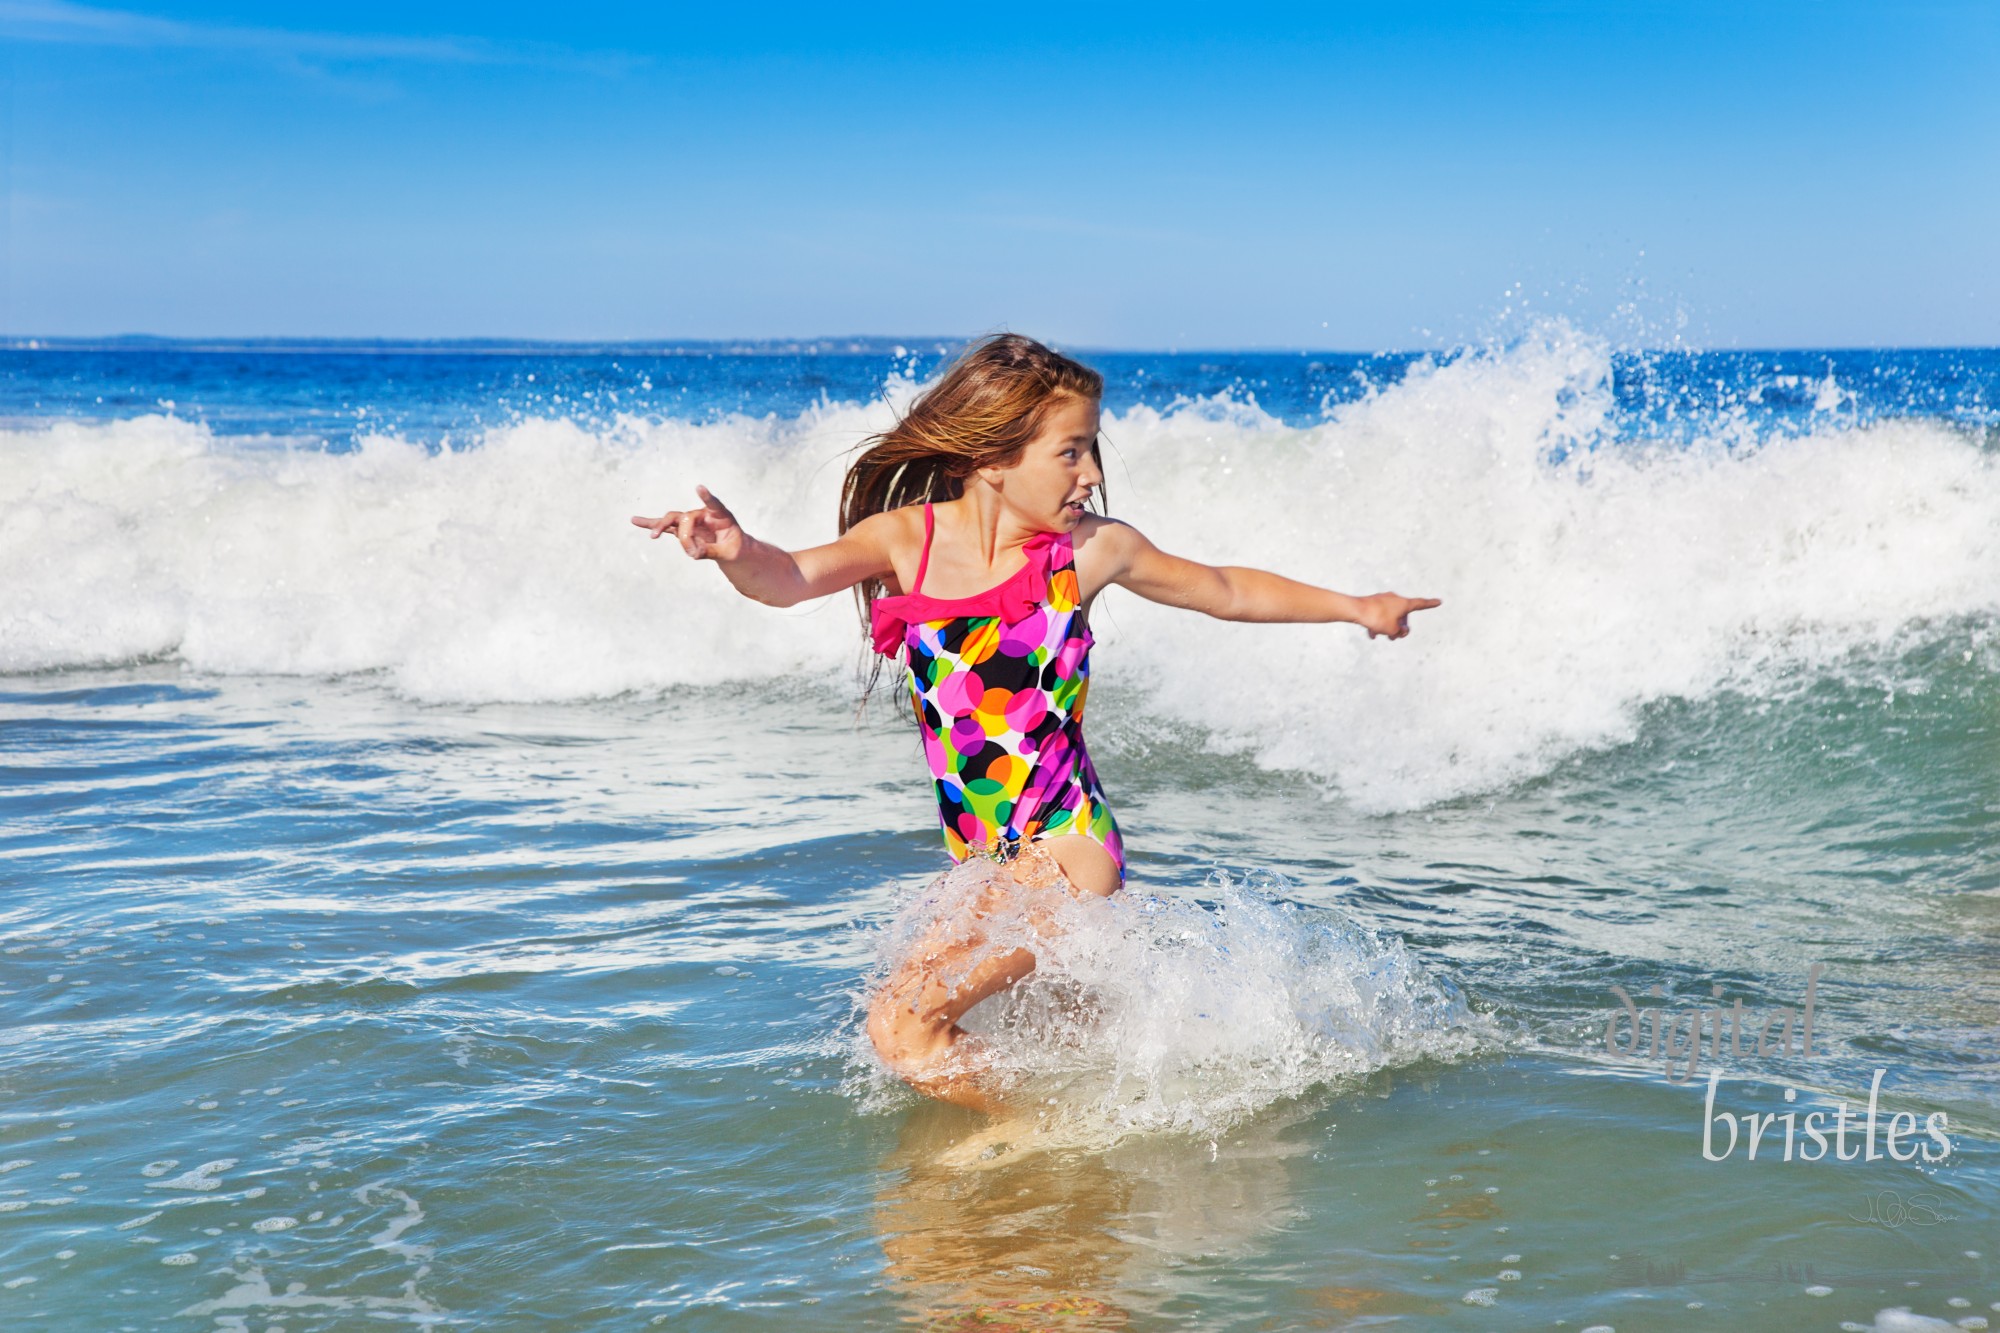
[1013, 600]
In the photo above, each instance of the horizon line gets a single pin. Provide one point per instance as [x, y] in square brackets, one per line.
[834, 345]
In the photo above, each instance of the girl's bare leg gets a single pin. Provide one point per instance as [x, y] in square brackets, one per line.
[913, 1020]
[914, 1023]
[1085, 864]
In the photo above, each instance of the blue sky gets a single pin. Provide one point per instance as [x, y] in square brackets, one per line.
[1337, 175]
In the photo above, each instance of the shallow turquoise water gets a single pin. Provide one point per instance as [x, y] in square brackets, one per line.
[325, 1005]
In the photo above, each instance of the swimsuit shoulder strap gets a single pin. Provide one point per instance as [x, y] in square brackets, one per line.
[1062, 552]
[924, 561]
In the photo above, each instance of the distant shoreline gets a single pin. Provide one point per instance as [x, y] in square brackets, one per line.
[829, 346]
[493, 346]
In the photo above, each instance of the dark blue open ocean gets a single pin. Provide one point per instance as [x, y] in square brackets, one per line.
[425, 901]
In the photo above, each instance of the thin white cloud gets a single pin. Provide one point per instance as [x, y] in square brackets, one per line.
[56, 21]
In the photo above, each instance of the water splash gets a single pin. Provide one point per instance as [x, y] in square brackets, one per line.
[1152, 1012]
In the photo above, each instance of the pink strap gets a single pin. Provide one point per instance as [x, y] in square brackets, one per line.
[924, 561]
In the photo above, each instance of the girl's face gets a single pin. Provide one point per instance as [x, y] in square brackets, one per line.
[1056, 473]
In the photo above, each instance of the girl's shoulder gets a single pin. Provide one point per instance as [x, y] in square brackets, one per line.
[1101, 548]
[1104, 534]
[897, 537]
[892, 527]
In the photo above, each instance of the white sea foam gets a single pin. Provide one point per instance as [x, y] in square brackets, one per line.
[1575, 592]
[1900, 1319]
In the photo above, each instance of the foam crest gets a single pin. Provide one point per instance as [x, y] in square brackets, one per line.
[1583, 577]
[505, 571]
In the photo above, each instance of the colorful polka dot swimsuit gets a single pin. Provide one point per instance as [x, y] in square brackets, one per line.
[998, 681]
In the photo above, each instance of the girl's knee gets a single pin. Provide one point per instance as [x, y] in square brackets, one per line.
[882, 1033]
[899, 1031]
[1085, 864]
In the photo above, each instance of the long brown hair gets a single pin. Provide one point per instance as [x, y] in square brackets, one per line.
[981, 413]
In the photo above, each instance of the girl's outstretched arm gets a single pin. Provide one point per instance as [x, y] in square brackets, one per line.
[1120, 554]
[770, 574]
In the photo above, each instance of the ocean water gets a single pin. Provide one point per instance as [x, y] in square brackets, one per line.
[425, 901]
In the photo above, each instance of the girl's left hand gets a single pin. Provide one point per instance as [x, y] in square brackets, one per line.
[1388, 614]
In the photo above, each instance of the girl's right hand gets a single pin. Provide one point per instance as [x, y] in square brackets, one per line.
[708, 533]
[1389, 615]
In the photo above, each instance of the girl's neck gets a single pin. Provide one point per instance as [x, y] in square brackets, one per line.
[989, 522]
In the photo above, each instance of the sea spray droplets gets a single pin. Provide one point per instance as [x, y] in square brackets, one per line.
[1152, 1012]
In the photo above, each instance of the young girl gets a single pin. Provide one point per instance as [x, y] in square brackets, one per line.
[967, 531]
